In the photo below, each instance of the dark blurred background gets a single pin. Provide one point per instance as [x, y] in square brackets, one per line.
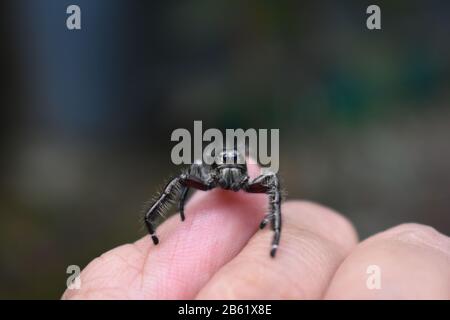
[364, 116]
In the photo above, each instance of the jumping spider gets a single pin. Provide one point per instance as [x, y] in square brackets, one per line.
[229, 172]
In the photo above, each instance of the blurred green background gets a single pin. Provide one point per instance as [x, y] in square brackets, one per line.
[364, 116]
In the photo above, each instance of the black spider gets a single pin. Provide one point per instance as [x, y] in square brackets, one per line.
[229, 172]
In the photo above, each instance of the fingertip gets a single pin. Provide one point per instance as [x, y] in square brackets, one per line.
[409, 261]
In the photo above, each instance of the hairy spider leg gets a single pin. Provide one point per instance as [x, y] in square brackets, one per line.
[269, 184]
[160, 205]
[184, 193]
[202, 173]
[172, 189]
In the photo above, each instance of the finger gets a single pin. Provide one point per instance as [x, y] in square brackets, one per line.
[314, 242]
[410, 261]
[218, 224]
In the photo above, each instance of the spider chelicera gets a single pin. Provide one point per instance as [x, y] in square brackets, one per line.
[229, 172]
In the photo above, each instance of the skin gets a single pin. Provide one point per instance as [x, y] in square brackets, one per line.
[219, 253]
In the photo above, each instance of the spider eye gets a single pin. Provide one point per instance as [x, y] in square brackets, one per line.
[232, 155]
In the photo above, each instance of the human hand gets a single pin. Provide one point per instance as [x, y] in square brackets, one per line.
[218, 253]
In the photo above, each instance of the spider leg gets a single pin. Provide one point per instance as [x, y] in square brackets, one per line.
[269, 184]
[184, 193]
[184, 181]
[191, 182]
[198, 176]
[160, 205]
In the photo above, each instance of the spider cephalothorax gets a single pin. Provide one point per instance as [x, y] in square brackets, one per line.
[228, 171]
